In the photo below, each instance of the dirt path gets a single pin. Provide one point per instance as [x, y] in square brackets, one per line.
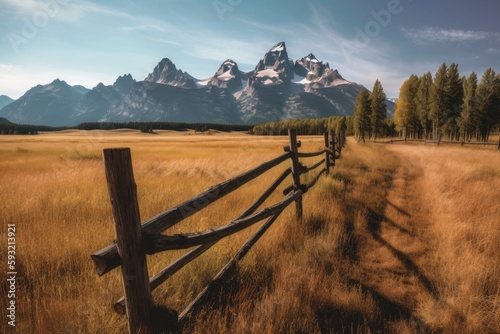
[393, 257]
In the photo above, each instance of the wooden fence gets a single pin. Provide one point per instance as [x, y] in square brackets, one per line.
[134, 240]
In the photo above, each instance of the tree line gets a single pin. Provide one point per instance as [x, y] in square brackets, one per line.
[460, 108]
[148, 127]
[8, 128]
[311, 126]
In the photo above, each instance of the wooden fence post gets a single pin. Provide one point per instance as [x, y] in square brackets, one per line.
[327, 154]
[332, 147]
[339, 142]
[123, 195]
[292, 133]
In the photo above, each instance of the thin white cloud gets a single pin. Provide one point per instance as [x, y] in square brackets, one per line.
[220, 49]
[79, 9]
[266, 27]
[146, 28]
[162, 40]
[493, 51]
[29, 6]
[7, 67]
[73, 10]
[435, 34]
[68, 11]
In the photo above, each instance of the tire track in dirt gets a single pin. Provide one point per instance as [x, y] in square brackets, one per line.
[392, 259]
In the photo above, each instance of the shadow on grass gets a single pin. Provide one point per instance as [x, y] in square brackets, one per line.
[332, 319]
[398, 209]
[375, 220]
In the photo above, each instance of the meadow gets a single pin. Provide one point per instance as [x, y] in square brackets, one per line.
[397, 239]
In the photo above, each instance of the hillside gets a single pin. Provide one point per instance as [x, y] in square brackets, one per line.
[5, 100]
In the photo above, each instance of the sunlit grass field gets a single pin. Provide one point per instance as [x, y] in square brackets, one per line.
[397, 239]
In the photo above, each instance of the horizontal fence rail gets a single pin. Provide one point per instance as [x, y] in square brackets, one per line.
[159, 243]
[134, 241]
[107, 258]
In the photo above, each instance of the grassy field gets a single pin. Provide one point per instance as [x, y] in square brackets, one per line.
[397, 239]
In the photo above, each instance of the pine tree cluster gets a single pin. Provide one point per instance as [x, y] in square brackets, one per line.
[370, 113]
[448, 105]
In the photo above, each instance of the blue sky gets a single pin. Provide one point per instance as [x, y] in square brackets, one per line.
[87, 42]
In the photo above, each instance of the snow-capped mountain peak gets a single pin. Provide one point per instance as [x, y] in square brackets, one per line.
[167, 73]
[278, 47]
[230, 63]
[227, 76]
[275, 68]
[316, 74]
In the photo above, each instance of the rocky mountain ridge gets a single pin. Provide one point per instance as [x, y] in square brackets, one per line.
[278, 88]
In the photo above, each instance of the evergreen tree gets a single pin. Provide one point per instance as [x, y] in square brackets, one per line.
[468, 116]
[488, 104]
[423, 103]
[454, 95]
[405, 116]
[378, 109]
[390, 127]
[439, 100]
[362, 111]
[332, 123]
[342, 125]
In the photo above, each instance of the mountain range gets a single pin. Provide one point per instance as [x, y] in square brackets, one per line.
[277, 89]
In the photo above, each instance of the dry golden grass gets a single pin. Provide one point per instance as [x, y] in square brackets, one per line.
[462, 187]
[397, 239]
[57, 198]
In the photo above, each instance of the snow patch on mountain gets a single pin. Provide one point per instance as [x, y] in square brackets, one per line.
[301, 80]
[278, 47]
[267, 73]
[226, 76]
[203, 83]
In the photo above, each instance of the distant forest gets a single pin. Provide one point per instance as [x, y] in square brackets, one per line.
[8, 128]
[313, 126]
[150, 126]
